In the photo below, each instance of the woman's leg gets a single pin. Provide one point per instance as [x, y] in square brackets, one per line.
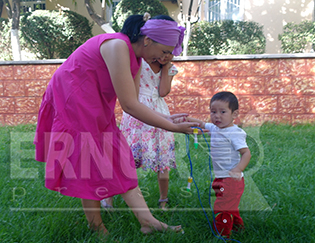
[93, 215]
[135, 201]
[163, 179]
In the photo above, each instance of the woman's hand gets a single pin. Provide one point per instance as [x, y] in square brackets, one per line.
[188, 128]
[185, 127]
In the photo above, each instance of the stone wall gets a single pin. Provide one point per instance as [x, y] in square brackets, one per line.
[278, 88]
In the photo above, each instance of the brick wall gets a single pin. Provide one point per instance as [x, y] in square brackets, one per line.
[278, 88]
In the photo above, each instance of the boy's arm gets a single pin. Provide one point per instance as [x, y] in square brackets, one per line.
[236, 172]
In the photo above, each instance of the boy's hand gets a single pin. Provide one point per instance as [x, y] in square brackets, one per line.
[236, 174]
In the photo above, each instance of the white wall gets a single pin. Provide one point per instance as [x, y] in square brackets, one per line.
[274, 14]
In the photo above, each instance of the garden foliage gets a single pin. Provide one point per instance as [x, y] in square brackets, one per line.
[226, 37]
[5, 48]
[51, 34]
[5, 40]
[296, 37]
[125, 8]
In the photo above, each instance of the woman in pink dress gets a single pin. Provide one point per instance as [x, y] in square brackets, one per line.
[86, 155]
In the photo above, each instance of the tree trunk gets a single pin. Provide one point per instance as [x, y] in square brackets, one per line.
[188, 27]
[186, 39]
[1, 7]
[97, 19]
[8, 8]
[15, 41]
[15, 45]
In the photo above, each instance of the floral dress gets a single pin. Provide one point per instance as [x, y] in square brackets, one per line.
[152, 148]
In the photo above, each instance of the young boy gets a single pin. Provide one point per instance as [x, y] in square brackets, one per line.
[230, 156]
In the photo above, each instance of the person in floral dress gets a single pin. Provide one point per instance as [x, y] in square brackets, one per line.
[153, 148]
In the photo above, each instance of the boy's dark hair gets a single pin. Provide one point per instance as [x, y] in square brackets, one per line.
[228, 97]
[133, 24]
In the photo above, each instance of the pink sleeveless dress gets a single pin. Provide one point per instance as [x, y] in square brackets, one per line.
[86, 154]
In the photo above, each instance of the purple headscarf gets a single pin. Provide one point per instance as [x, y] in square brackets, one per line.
[165, 32]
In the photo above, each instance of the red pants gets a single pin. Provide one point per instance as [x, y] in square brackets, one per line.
[228, 192]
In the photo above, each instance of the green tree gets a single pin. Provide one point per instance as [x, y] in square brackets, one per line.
[296, 37]
[54, 34]
[125, 8]
[226, 37]
[5, 42]
[14, 17]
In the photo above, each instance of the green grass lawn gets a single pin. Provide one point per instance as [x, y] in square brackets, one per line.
[278, 204]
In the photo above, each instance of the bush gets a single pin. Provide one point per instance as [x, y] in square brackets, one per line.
[226, 37]
[5, 40]
[125, 8]
[54, 34]
[296, 37]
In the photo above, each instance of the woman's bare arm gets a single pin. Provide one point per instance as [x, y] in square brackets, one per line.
[116, 56]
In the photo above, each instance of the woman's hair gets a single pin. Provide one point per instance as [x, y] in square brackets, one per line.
[133, 24]
[165, 17]
[226, 97]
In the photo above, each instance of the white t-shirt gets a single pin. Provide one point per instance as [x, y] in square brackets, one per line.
[224, 147]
